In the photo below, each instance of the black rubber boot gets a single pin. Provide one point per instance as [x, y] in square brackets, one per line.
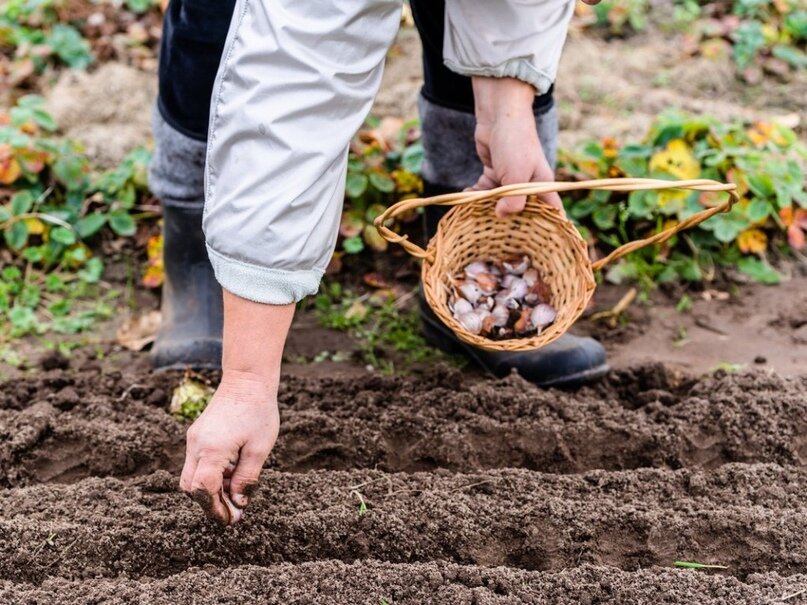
[568, 362]
[192, 306]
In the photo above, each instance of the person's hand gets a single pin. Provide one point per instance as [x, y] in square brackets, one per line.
[507, 141]
[228, 444]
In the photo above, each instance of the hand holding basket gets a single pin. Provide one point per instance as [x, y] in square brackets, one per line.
[471, 231]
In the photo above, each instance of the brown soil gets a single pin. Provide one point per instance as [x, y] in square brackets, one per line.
[62, 427]
[373, 582]
[476, 492]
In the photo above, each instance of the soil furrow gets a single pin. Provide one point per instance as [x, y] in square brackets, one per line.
[60, 429]
[373, 582]
[749, 517]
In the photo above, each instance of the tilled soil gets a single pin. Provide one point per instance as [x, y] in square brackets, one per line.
[425, 489]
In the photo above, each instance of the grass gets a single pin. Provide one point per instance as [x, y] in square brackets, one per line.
[695, 565]
[386, 329]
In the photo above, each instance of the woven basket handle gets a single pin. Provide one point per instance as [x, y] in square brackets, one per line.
[532, 189]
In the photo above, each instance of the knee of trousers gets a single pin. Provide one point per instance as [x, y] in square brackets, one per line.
[177, 167]
[450, 158]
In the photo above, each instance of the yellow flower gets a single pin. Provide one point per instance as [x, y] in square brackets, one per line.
[9, 166]
[671, 201]
[35, 226]
[752, 241]
[676, 160]
[610, 147]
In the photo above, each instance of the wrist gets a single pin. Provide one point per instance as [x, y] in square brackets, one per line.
[502, 98]
[244, 385]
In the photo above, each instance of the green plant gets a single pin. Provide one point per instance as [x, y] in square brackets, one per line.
[379, 324]
[619, 15]
[694, 565]
[31, 29]
[190, 398]
[52, 205]
[36, 34]
[765, 160]
[383, 168]
[759, 34]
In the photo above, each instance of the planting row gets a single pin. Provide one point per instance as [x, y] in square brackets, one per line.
[748, 517]
[61, 429]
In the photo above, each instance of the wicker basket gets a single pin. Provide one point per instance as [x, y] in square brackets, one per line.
[471, 231]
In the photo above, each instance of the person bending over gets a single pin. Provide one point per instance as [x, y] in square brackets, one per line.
[258, 101]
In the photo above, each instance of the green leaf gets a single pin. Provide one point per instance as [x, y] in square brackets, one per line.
[797, 58]
[92, 271]
[353, 245]
[695, 565]
[63, 236]
[23, 321]
[605, 216]
[16, 235]
[382, 182]
[5, 214]
[22, 202]
[623, 271]
[122, 223]
[758, 210]
[412, 158]
[689, 269]
[44, 119]
[11, 273]
[355, 185]
[34, 254]
[90, 224]
[54, 282]
[60, 308]
[726, 227]
[761, 184]
[69, 45]
[642, 204]
[759, 270]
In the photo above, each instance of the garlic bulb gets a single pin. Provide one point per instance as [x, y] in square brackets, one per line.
[487, 282]
[470, 291]
[476, 268]
[516, 265]
[519, 288]
[461, 306]
[502, 299]
[500, 315]
[530, 276]
[542, 315]
[471, 322]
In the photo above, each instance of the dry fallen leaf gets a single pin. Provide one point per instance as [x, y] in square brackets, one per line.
[139, 331]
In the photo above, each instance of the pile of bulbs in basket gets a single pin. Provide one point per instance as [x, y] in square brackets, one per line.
[501, 299]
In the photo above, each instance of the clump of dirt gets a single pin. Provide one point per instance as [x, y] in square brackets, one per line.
[466, 490]
[747, 517]
[108, 110]
[61, 426]
[376, 582]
